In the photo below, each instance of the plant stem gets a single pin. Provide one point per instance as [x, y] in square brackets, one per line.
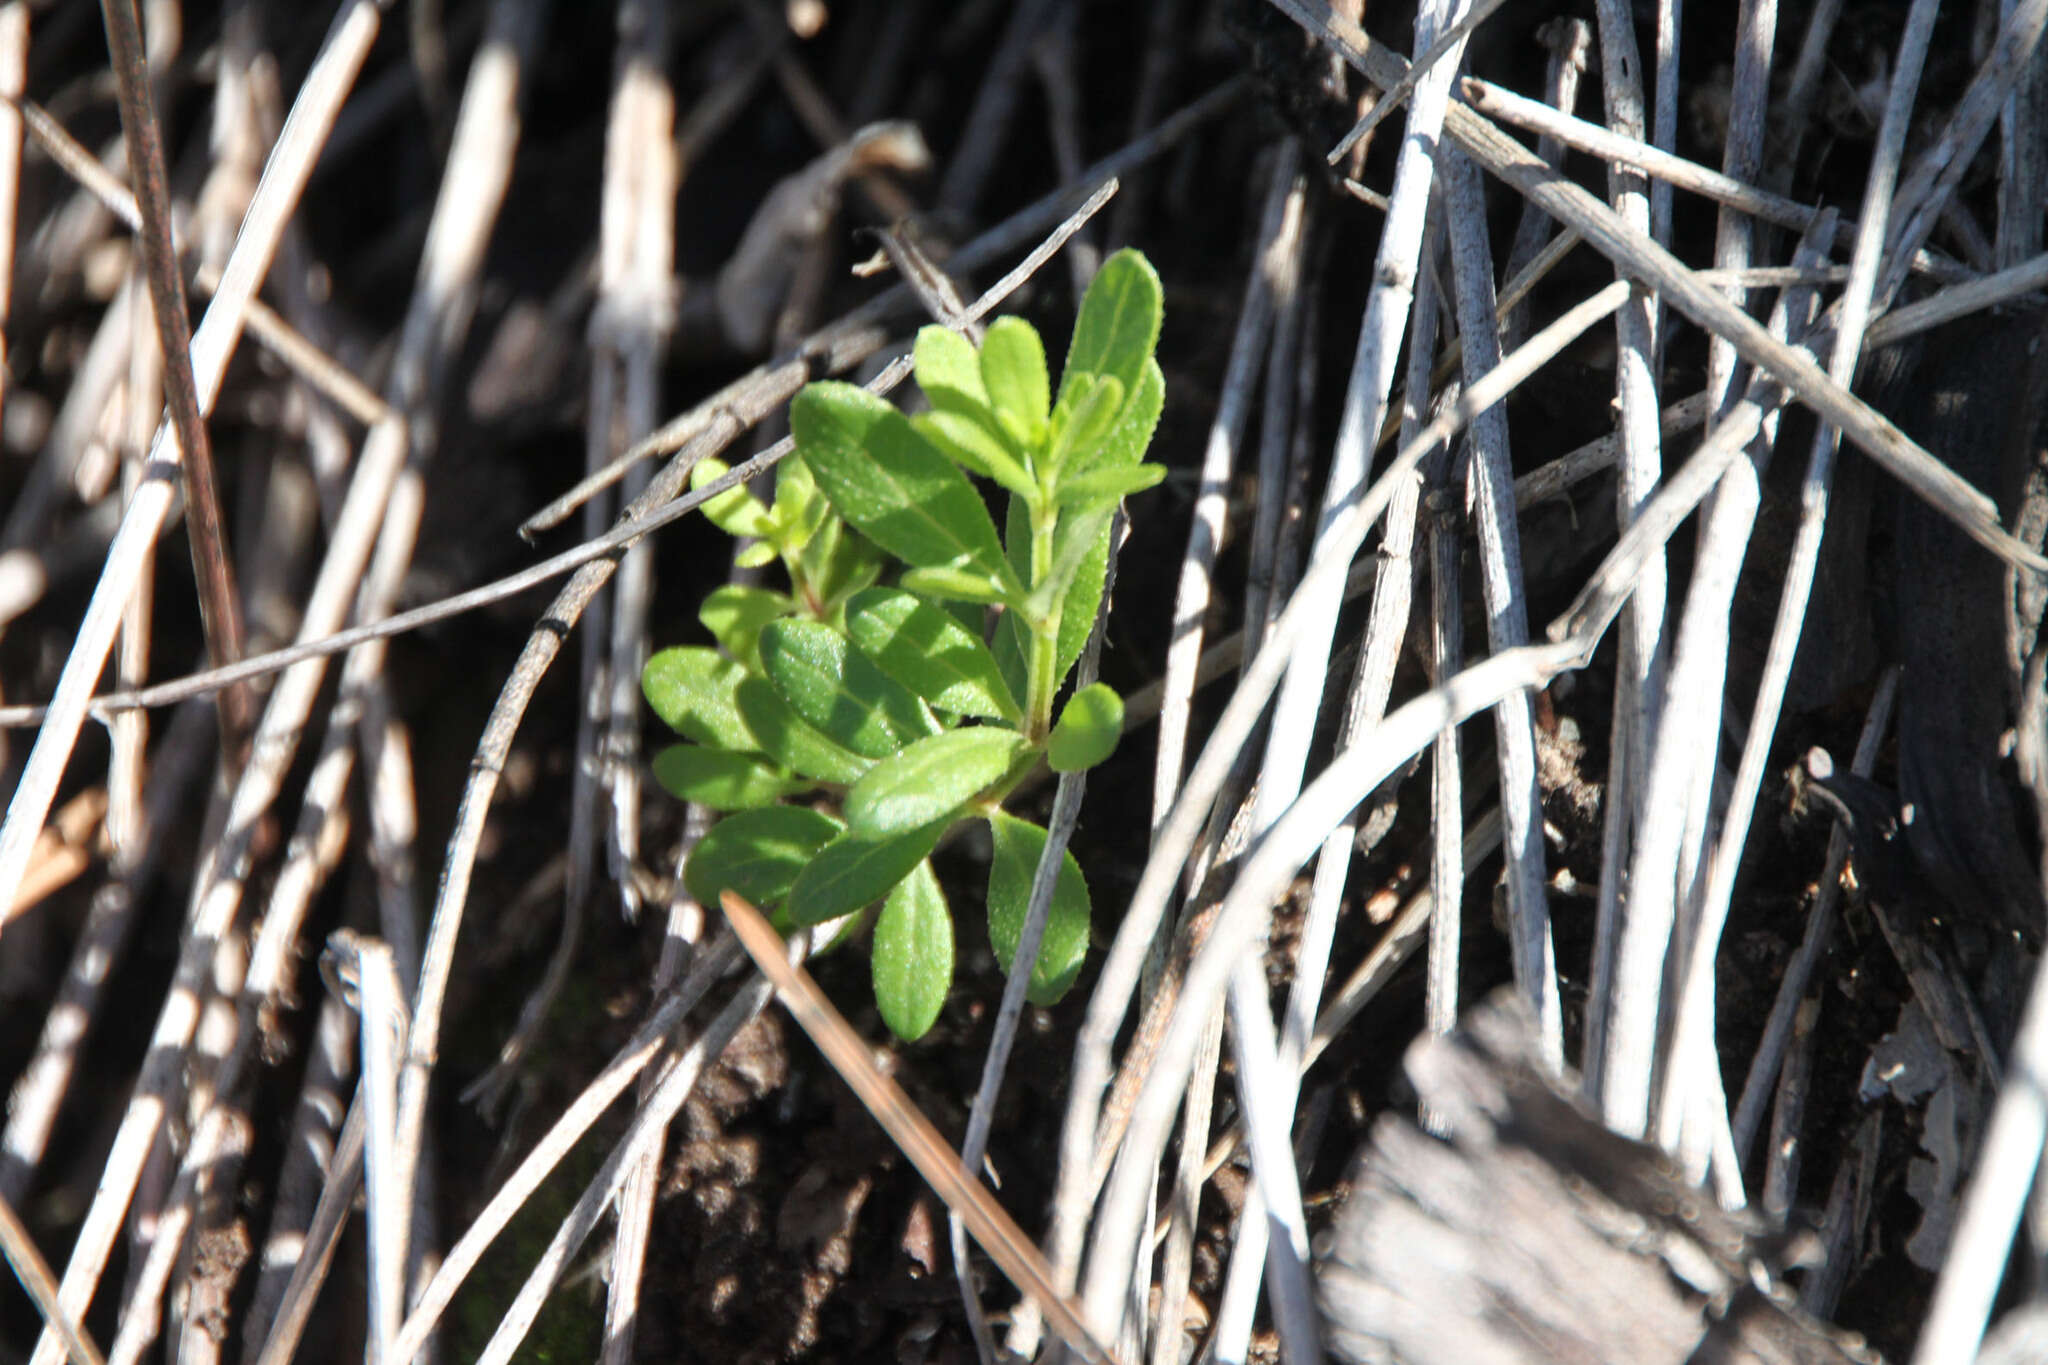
[1042, 679]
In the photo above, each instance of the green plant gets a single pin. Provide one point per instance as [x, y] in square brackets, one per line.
[847, 726]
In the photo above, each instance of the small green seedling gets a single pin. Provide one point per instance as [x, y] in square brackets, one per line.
[846, 726]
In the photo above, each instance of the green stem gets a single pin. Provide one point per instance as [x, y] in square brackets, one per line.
[1042, 675]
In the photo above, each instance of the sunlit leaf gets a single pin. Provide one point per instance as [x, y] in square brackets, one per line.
[1118, 326]
[722, 780]
[735, 511]
[800, 509]
[692, 689]
[1013, 372]
[735, 613]
[837, 562]
[925, 648]
[970, 443]
[835, 688]
[960, 585]
[912, 955]
[1125, 445]
[949, 370]
[1090, 420]
[890, 483]
[757, 853]
[782, 735]
[1088, 729]
[930, 780]
[1018, 846]
[1109, 484]
[850, 873]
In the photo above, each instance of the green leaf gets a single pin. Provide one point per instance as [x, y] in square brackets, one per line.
[949, 371]
[930, 780]
[1110, 484]
[734, 614]
[851, 872]
[890, 483]
[835, 688]
[1125, 445]
[736, 511]
[1089, 420]
[1018, 846]
[912, 954]
[927, 650]
[755, 555]
[1127, 440]
[1013, 371]
[757, 853]
[837, 562]
[1087, 731]
[967, 441]
[722, 780]
[783, 736]
[961, 585]
[692, 689]
[800, 509]
[1118, 326]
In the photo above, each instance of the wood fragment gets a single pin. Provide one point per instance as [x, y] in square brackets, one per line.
[1535, 1235]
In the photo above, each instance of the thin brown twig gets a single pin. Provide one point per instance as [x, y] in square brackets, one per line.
[220, 610]
[911, 1131]
[34, 1274]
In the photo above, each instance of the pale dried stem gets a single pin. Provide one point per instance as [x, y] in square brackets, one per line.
[1640, 677]
[316, 1255]
[212, 345]
[640, 321]
[2005, 1169]
[271, 331]
[1928, 189]
[1570, 43]
[1293, 722]
[309, 1153]
[1276, 256]
[1240, 922]
[1691, 1044]
[1507, 619]
[649, 1125]
[645, 1046]
[33, 1273]
[1327, 570]
[40, 1090]
[13, 80]
[1668, 172]
[130, 738]
[285, 176]
[1687, 740]
[1365, 705]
